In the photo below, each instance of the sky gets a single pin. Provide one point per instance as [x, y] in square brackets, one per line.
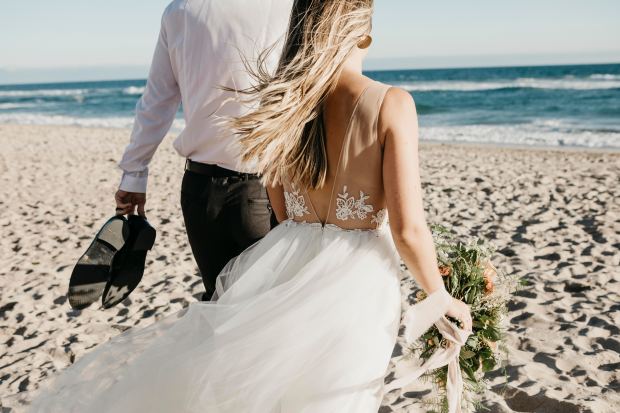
[61, 40]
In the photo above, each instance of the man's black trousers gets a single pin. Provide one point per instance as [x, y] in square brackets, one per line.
[223, 216]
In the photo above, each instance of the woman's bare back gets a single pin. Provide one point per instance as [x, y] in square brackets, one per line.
[353, 196]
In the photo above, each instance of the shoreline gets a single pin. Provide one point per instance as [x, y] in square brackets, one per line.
[535, 148]
[423, 142]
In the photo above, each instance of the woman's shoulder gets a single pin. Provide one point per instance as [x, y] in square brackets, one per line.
[397, 110]
[393, 97]
[393, 93]
[397, 97]
[396, 101]
[390, 97]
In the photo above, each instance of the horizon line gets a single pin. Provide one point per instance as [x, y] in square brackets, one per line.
[365, 70]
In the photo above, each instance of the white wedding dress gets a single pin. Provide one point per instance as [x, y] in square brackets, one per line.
[304, 321]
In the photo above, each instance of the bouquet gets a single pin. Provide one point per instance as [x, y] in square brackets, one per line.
[470, 276]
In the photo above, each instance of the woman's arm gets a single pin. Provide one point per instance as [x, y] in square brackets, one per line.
[398, 124]
[276, 199]
[403, 190]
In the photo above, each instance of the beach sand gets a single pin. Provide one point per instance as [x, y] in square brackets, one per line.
[554, 216]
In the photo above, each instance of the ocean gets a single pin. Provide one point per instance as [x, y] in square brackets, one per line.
[572, 106]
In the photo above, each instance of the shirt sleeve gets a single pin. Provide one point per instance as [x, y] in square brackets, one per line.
[155, 112]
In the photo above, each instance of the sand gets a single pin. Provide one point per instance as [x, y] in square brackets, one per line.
[553, 214]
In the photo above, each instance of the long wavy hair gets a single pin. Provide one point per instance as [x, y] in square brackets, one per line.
[284, 135]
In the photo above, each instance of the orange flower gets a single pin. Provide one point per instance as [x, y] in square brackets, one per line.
[490, 272]
[444, 270]
[430, 342]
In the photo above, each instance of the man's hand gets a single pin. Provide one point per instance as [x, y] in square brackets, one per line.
[126, 203]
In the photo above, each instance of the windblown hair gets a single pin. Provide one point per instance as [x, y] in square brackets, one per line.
[285, 135]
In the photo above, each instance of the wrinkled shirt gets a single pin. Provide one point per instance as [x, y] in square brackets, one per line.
[200, 49]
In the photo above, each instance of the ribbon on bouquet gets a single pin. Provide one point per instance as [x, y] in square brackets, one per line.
[418, 319]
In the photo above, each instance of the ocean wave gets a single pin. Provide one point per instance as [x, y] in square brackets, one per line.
[43, 92]
[76, 93]
[120, 122]
[566, 83]
[134, 90]
[16, 105]
[605, 76]
[522, 135]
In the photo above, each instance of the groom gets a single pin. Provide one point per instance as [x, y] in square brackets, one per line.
[224, 205]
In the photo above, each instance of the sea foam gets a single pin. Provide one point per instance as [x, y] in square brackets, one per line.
[120, 122]
[566, 83]
[540, 135]
[134, 90]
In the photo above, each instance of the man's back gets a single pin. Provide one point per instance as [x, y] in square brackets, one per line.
[206, 39]
[200, 49]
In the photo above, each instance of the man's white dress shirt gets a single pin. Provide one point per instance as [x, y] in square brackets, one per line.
[199, 50]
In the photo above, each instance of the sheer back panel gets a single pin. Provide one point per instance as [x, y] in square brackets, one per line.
[353, 196]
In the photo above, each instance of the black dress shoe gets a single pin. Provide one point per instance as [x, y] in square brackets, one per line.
[128, 265]
[92, 271]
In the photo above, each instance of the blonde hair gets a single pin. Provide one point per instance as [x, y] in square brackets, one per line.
[285, 134]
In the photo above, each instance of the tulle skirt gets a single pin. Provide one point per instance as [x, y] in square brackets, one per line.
[304, 321]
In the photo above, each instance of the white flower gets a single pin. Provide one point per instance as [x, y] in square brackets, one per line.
[295, 204]
[348, 207]
[345, 205]
[379, 219]
[362, 210]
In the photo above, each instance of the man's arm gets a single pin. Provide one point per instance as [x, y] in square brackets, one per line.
[155, 112]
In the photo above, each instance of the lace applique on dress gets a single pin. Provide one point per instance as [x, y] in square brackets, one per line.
[295, 204]
[380, 218]
[349, 207]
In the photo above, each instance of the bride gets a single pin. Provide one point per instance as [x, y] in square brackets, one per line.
[306, 319]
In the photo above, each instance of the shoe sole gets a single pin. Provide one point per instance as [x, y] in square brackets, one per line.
[92, 270]
[119, 288]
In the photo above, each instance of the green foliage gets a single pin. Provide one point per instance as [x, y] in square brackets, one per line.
[469, 276]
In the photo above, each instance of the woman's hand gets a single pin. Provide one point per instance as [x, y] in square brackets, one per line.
[459, 310]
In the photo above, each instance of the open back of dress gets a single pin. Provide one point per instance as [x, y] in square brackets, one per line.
[353, 195]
